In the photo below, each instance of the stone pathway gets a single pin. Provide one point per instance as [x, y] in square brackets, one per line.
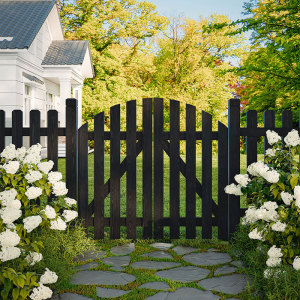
[211, 270]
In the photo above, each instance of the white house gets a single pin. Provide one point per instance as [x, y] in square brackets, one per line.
[39, 69]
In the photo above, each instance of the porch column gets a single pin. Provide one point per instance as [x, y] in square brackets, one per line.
[78, 95]
[65, 92]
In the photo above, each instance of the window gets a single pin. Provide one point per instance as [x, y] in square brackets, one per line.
[27, 103]
[50, 102]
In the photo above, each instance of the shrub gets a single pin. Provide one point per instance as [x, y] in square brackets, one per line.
[31, 197]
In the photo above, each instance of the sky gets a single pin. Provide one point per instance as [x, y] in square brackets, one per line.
[194, 8]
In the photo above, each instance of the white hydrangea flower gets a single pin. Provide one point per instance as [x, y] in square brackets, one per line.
[258, 169]
[9, 238]
[54, 177]
[269, 273]
[20, 153]
[267, 215]
[233, 189]
[49, 212]
[273, 261]
[9, 253]
[16, 204]
[11, 167]
[9, 152]
[250, 216]
[256, 235]
[297, 195]
[242, 179]
[58, 224]
[40, 293]
[33, 257]
[8, 195]
[35, 149]
[48, 277]
[70, 201]
[32, 222]
[9, 214]
[278, 226]
[271, 152]
[32, 159]
[292, 139]
[45, 166]
[270, 205]
[275, 252]
[272, 137]
[69, 215]
[33, 192]
[59, 188]
[286, 197]
[296, 263]
[271, 176]
[33, 176]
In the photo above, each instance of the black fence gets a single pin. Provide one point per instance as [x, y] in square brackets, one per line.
[152, 141]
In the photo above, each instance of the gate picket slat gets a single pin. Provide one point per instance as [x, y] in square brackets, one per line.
[17, 126]
[131, 169]
[251, 141]
[83, 175]
[222, 181]
[99, 176]
[190, 172]
[52, 142]
[2, 130]
[35, 126]
[174, 169]
[269, 123]
[206, 175]
[158, 168]
[115, 171]
[147, 168]
[287, 120]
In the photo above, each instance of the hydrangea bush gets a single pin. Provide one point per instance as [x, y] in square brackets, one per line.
[31, 196]
[273, 200]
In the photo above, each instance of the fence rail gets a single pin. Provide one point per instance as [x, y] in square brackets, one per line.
[154, 143]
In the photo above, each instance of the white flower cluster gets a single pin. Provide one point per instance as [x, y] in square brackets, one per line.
[242, 179]
[59, 188]
[11, 167]
[54, 177]
[32, 222]
[58, 224]
[33, 176]
[292, 139]
[233, 189]
[271, 152]
[278, 226]
[9, 214]
[297, 195]
[296, 263]
[271, 272]
[287, 198]
[9, 253]
[33, 192]
[69, 215]
[40, 293]
[275, 255]
[9, 238]
[262, 170]
[48, 277]
[272, 137]
[33, 257]
[256, 235]
[45, 166]
[33, 155]
[49, 212]
[70, 201]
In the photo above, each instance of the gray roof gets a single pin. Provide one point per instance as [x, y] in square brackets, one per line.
[66, 53]
[22, 20]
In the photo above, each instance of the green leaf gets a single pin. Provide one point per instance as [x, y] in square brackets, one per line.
[289, 239]
[15, 293]
[294, 181]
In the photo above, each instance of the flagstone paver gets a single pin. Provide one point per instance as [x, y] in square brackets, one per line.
[110, 293]
[158, 254]
[161, 246]
[88, 266]
[180, 250]
[123, 249]
[70, 296]
[225, 270]
[154, 265]
[155, 285]
[184, 293]
[102, 277]
[207, 258]
[91, 255]
[230, 284]
[117, 263]
[183, 274]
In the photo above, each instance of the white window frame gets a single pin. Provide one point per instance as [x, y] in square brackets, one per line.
[28, 103]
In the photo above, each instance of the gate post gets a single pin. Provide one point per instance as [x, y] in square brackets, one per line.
[233, 162]
[72, 147]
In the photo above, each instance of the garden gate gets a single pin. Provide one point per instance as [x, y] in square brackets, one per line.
[153, 142]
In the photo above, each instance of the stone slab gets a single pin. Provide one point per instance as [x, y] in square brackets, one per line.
[185, 293]
[225, 270]
[88, 266]
[155, 285]
[183, 274]
[123, 249]
[117, 262]
[154, 265]
[180, 250]
[70, 296]
[101, 278]
[110, 293]
[158, 254]
[91, 255]
[207, 258]
[230, 284]
[161, 246]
